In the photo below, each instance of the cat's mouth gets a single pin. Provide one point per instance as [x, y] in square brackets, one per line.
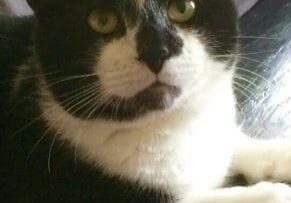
[158, 96]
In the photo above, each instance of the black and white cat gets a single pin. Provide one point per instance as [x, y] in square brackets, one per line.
[128, 101]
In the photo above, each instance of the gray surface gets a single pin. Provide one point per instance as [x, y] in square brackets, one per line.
[244, 5]
[264, 74]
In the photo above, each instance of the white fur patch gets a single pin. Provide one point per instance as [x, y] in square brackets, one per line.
[120, 73]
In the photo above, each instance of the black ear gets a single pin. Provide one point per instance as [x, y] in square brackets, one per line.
[37, 5]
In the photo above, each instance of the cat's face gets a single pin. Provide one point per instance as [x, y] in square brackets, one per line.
[121, 59]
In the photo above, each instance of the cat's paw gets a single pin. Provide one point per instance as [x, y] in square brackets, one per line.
[264, 192]
[282, 165]
[269, 162]
[272, 193]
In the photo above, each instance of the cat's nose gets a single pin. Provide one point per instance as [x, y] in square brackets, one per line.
[154, 57]
[156, 42]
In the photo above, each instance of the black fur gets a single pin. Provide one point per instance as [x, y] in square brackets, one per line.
[61, 41]
[216, 21]
[15, 41]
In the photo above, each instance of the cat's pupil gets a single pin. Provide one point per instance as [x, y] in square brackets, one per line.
[181, 6]
[103, 20]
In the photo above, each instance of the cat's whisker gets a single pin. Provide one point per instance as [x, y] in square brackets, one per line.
[75, 91]
[40, 140]
[258, 37]
[254, 74]
[243, 57]
[245, 54]
[39, 91]
[28, 125]
[37, 144]
[246, 97]
[249, 82]
[71, 101]
[76, 145]
[75, 105]
[33, 76]
[61, 80]
[49, 161]
[66, 79]
[243, 89]
[80, 135]
[105, 104]
[84, 97]
[240, 108]
[253, 60]
[114, 103]
[53, 142]
[98, 99]
[76, 97]
[38, 118]
[96, 96]
[82, 103]
[117, 108]
[100, 102]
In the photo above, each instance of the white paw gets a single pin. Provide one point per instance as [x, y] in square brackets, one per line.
[267, 162]
[282, 168]
[273, 192]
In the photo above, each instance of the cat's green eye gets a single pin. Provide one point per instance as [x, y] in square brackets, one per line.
[104, 22]
[181, 11]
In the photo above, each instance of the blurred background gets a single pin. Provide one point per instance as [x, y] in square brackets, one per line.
[263, 78]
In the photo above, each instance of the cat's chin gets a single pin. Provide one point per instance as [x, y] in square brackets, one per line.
[159, 96]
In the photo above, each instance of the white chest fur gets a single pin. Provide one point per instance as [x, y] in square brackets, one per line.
[178, 150]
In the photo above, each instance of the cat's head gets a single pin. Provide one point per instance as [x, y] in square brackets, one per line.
[121, 59]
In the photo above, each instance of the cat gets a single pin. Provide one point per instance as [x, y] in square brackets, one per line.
[129, 101]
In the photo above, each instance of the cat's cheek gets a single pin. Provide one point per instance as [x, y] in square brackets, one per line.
[125, 83]
[188, 68]
[120, 73]
[180, 72]
[185, 71]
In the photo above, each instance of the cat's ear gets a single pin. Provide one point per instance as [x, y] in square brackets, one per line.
[34, 4]
[37, 5]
